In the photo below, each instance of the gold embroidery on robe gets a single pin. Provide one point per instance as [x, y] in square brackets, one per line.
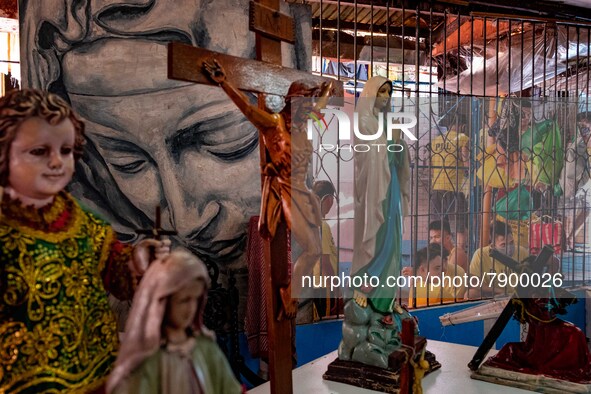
[57, 332]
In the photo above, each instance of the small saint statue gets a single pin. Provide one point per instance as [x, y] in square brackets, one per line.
[166, 348]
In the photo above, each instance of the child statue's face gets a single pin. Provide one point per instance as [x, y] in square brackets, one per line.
[183, 305]
[41, 160]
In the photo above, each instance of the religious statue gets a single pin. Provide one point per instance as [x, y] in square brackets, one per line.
[552, 347]
[381, 199]
[379, 350]
[57, 258]
[288, 152]
[166, 348]
[554, 357]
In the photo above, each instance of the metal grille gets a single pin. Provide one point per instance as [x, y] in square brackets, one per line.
[515, 85]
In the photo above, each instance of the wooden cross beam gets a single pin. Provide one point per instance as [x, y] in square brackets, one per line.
[408, 341]
[268, 49]
[185, 64]
[264, 76]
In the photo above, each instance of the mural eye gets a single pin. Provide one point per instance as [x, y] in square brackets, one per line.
[235, 150]
[130, 168]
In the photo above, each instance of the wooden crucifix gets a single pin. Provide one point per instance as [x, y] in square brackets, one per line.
[263, 76]
[156, 232]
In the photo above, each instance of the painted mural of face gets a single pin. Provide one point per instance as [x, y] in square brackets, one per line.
[182, 146]
[185, 148]
[199, 162]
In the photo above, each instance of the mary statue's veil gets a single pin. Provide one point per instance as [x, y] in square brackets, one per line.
[372, 177]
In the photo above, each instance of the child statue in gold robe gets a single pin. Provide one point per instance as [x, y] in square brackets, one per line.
[57, 259]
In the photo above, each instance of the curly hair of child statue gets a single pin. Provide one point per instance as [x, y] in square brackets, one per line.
[166, 348]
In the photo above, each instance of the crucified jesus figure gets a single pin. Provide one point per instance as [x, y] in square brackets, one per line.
[285, 194]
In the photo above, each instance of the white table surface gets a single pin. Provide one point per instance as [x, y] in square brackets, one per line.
[452, 378]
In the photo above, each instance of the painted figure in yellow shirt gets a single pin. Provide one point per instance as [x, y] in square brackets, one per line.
[328, 264]
[440, 233]
[449, 157]
[482, 263]
[430, 262]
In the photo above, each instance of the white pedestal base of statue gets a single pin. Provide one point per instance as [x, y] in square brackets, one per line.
[452, 378]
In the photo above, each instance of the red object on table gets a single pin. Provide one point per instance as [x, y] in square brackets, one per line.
[553, 347]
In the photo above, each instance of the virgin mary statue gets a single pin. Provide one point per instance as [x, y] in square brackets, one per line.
[382, 195]
[373, 320]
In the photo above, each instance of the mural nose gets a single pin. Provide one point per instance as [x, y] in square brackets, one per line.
[190, 214]
[191, 223]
